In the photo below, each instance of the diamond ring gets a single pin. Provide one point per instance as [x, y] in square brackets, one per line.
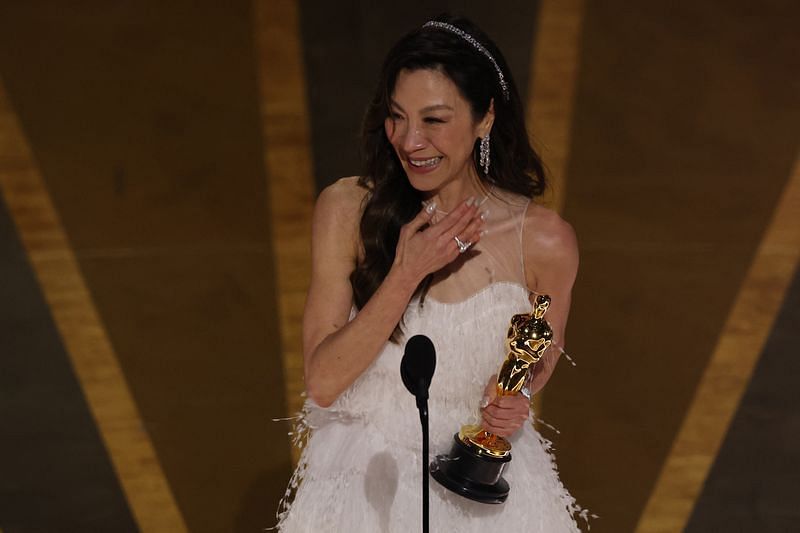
[462, 246]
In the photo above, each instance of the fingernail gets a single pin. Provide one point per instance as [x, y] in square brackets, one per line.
[484, 402]
[484, 215]
[483, 232]
[430, 208]
[470, 201]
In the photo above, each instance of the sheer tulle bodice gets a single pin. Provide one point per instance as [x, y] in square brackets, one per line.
[497, 257]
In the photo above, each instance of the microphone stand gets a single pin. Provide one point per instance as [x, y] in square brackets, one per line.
[422, 405]
[416, 371]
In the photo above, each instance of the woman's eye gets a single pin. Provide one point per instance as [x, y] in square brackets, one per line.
[395, 116]
[434, 120]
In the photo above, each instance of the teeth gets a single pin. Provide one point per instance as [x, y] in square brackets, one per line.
[425, 163]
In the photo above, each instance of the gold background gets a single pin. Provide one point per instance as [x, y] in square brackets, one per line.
[157, 162]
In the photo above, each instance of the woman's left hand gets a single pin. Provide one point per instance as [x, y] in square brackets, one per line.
[503, 415]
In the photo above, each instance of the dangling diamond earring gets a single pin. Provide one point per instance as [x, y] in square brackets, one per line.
[484, 155]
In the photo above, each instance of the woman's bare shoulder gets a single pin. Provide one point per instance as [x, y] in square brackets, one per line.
[342, 200]
[343, 196]
[550, 245]
[338, 211]
[546, 231]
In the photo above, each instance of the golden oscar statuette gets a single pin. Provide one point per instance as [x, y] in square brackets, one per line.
[475, 464]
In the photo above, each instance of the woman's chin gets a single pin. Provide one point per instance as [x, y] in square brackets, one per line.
[423, 182]
[423, 187]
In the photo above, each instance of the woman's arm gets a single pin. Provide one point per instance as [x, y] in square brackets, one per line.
[551, 264]
[336, 351]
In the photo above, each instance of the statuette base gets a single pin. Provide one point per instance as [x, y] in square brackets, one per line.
[472, 474]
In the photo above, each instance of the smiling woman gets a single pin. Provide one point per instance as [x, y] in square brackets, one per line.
[438, 236]
[434, 139]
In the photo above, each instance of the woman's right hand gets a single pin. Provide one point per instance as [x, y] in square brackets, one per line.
[338, 350]
[420, 253]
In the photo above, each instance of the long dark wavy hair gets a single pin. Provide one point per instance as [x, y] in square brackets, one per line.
[391, 201]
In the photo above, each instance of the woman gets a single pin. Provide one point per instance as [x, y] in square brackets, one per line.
[437, 237]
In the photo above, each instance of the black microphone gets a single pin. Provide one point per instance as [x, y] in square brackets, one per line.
[417, 366]
[416, 371]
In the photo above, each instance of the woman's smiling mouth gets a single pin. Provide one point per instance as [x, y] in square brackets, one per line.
[424, 163]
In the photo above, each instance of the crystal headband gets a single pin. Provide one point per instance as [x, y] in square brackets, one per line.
[475, 44]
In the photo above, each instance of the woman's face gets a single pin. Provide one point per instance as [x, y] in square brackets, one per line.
[432, 130]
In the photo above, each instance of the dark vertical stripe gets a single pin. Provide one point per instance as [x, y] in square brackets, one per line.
[755, 480]
[55, 474]
[345, 43]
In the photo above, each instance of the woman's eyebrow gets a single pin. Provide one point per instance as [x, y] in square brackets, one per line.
[427, 109]
[437, 107]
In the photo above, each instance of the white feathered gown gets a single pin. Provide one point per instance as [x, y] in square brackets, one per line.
[360, 470]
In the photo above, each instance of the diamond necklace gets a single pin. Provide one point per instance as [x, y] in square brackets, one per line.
[426, 203]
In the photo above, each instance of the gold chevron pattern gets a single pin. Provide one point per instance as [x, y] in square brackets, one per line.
[160, 189]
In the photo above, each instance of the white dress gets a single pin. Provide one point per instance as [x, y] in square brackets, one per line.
[360, 470]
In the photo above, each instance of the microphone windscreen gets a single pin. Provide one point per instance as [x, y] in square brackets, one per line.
[418, 364]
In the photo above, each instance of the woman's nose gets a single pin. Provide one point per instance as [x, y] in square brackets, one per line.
[414, 140]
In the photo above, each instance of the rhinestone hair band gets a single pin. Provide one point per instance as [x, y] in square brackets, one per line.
[475, 44]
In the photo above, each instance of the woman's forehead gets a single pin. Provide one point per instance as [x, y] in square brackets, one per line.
[426, 90]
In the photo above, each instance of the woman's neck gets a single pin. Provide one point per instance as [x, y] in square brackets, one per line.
[452, 194]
